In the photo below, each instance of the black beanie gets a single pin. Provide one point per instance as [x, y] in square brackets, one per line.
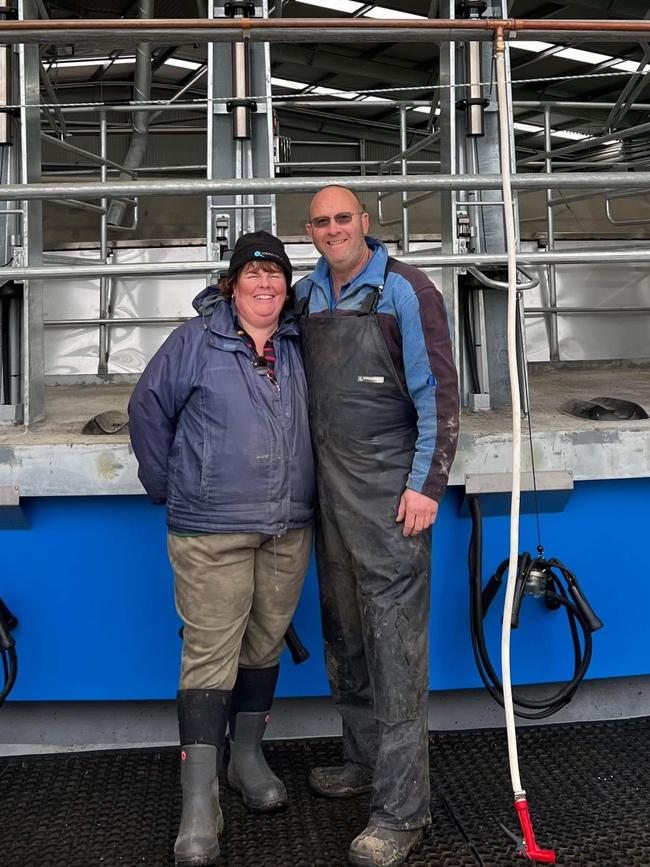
[256, 247]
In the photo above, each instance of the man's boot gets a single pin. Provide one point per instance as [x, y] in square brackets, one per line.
[341, 781]
[383, 847]
[202, 716]
[248, 771]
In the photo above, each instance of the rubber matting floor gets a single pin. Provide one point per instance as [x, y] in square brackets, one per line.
[587, 789]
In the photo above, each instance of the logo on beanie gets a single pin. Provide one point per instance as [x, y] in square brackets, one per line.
[266, 254]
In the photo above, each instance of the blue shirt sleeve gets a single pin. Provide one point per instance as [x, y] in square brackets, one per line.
[431, 380]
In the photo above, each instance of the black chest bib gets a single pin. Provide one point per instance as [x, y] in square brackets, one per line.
[363, 422]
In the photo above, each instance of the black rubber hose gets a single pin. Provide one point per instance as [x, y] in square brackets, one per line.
[297, 649]
[10, 669]
[468, 337]
[7, 650]
[535, 709]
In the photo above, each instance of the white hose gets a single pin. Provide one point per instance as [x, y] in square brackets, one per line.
[511, 250]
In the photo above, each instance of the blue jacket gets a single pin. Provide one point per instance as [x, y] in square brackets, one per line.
[214, 440]
[413, 320]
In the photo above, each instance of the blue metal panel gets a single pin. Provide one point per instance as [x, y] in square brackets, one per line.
[92, 588]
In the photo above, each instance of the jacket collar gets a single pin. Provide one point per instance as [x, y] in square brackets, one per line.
[372, 274]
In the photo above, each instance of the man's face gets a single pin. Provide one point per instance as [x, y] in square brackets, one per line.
[342, 244]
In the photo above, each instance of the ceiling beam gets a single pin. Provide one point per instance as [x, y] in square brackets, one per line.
[613, 8]
[331, 61]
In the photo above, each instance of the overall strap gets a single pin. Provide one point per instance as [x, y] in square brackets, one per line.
[301, 308]
[391, 261]
[371, 301]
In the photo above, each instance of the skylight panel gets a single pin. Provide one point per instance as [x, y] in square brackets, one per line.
[630, 66]
[290, 85]
[571, 134]
[330, 91]
[530, 45]
[423, 109]
[555, 133]
[95, 61]
[583, 56]
[182, 64]
[527, 127]
[380, 12]
[347, 6]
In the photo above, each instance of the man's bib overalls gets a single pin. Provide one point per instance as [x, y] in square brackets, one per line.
[374, 582]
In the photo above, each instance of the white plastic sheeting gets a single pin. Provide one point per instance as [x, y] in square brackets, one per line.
[589, 336]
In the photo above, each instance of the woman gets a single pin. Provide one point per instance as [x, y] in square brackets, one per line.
[219, 426]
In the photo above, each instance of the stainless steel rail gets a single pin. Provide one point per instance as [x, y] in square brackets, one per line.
[243, 186]
[466, 260]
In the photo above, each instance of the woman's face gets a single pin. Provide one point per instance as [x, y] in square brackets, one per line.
[259, 295]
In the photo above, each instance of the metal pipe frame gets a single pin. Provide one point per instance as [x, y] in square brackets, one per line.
[573, 104]
[14, 335]
[553, 335]
[458, 260]
[137, 321]
[106, 322]
[403, 143]
[54, 102]
[349, 163]
[187, 30]
[577, 311]
[634, 86]
[334, 30]
[585, 144]
[76, 203]
[244, 186]
[614, 222]
[142, 77]
[200, 106]
[66, 146]
[104, 282]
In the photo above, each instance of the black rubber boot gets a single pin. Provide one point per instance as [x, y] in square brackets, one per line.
[248, 771]
[202, 716]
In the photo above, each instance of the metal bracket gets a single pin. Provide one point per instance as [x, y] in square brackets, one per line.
[246, 8]
[462, 104]
[12, 516]
[241, 103]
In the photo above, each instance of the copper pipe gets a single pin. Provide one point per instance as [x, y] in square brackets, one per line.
[584, 26]
[176, 24]
[163, 31]
[180, 24]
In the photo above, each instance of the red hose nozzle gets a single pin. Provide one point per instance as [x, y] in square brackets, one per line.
[532, 850]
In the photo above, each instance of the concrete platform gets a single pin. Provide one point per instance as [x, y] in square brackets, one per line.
[53, 458]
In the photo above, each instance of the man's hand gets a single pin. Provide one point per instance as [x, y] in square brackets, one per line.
[417, 511]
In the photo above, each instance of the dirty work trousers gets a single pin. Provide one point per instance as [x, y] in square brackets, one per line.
[374, 582]
[236, 594]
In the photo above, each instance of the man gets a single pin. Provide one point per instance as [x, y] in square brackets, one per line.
[384, 415]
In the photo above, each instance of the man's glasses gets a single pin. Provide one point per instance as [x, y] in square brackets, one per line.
[342, 219]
